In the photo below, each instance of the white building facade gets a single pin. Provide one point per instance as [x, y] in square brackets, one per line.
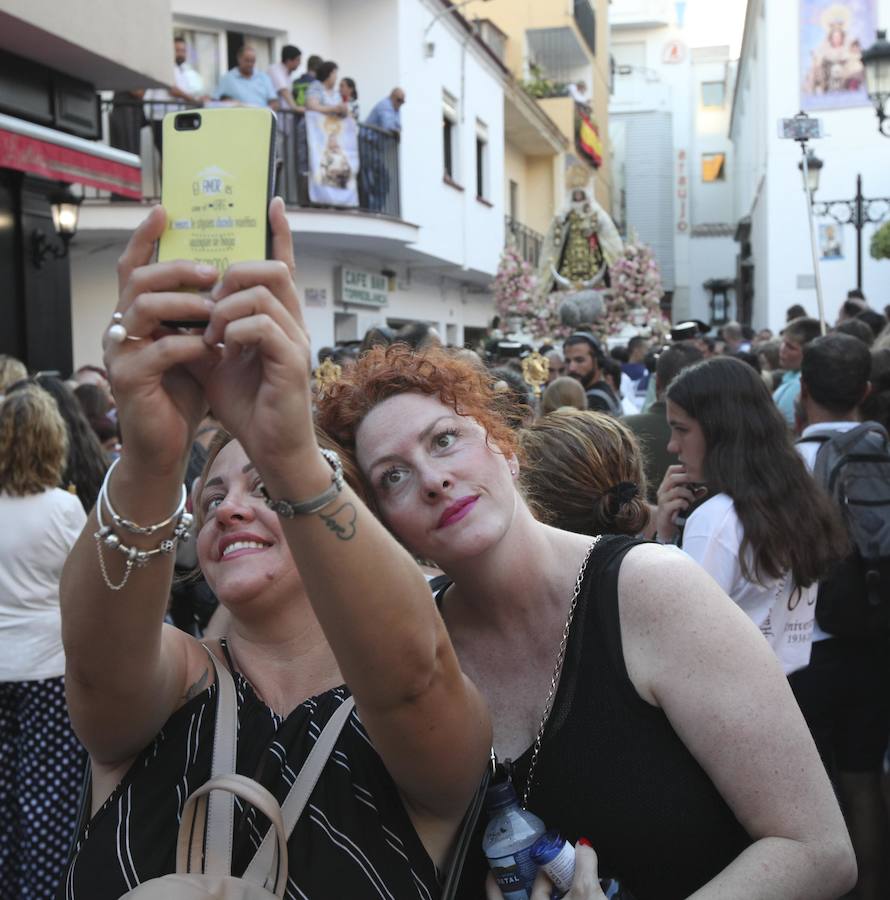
[431, 257]
[769, 201]
[669, 116]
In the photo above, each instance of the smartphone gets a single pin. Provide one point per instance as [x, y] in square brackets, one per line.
[700, 493]
[217, 178]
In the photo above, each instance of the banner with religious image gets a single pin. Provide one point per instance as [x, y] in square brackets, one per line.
[832, 38]
[831, 241]
[333, 159]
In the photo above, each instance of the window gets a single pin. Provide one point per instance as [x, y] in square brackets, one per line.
[514, 199]
[712, 93]
[713, 167]
[481, 160]
[449, 136]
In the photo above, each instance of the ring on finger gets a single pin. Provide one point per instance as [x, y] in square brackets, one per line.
[117, 333]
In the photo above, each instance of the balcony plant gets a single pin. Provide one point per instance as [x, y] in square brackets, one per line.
[539, 86]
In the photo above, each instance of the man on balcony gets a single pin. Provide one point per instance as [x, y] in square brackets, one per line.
[375, 175]
[280, 75]
[245, 85]
[187, 89]
[387, 113]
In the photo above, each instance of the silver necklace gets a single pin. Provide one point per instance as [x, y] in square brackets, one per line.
[557, 671]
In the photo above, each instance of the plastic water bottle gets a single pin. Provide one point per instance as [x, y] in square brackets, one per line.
[508, 841]
[556, 856]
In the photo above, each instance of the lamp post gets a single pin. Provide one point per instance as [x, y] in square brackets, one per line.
[810, 168]
[65, 210]
[858, 212]
[876, 60]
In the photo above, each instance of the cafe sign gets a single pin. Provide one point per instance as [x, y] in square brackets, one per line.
[362, 288]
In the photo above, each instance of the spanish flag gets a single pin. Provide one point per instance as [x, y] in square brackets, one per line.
[588, 139]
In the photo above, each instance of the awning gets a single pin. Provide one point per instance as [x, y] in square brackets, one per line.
[61, 157]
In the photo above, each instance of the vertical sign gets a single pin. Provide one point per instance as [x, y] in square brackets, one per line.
[682, 191]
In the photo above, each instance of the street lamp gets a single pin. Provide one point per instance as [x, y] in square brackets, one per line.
[876, 60]
[65, 208]
[810, 173]
[858, 212]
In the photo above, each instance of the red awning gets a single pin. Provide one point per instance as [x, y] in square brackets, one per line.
[61, 157]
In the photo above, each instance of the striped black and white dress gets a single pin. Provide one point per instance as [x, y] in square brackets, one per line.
[354, 839]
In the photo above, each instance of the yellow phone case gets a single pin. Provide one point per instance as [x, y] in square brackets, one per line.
[217, 185]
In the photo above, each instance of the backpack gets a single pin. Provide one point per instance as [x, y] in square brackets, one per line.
[854, 467]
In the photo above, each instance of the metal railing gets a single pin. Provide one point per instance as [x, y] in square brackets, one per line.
[528, 241]
[585, 19]
[135, 126]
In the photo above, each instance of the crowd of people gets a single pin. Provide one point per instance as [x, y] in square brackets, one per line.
[616, 595]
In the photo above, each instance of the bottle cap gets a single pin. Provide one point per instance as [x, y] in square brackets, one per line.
[499, 796]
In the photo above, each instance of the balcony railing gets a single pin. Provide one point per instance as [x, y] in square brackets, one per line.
[136, 127]
[585, 19]
[528, 242]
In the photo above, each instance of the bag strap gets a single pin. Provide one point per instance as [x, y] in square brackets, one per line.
[297, 797]
[465, 838]
[220, 812]
[250, 791]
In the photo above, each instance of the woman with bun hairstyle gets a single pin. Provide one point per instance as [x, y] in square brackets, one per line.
[640, 709]
[583, 472]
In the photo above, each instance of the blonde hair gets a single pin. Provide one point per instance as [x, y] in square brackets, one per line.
[563, 391]
[11, 371]
[33, 442]
[584, 473]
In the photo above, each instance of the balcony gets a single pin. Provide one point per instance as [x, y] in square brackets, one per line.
[528, 242]
[585, 19]
[124, 126]
[640, 14]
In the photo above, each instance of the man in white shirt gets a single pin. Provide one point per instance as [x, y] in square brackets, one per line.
[844, 693]
[187, 87]
[281, 76]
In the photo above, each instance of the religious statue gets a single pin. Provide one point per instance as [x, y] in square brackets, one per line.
[582, 241]
[580, 245]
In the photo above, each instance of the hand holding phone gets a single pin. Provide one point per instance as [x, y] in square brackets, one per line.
[677, 495]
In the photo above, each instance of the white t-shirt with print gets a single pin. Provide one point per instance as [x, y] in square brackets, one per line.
[785, 616]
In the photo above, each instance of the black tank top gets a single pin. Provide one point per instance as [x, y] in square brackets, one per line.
[613, 770]
[354, 839]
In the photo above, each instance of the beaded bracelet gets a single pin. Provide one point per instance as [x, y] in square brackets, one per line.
[132, 527]
[136, 557]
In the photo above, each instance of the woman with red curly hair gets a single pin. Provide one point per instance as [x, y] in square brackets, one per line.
[639, 707]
